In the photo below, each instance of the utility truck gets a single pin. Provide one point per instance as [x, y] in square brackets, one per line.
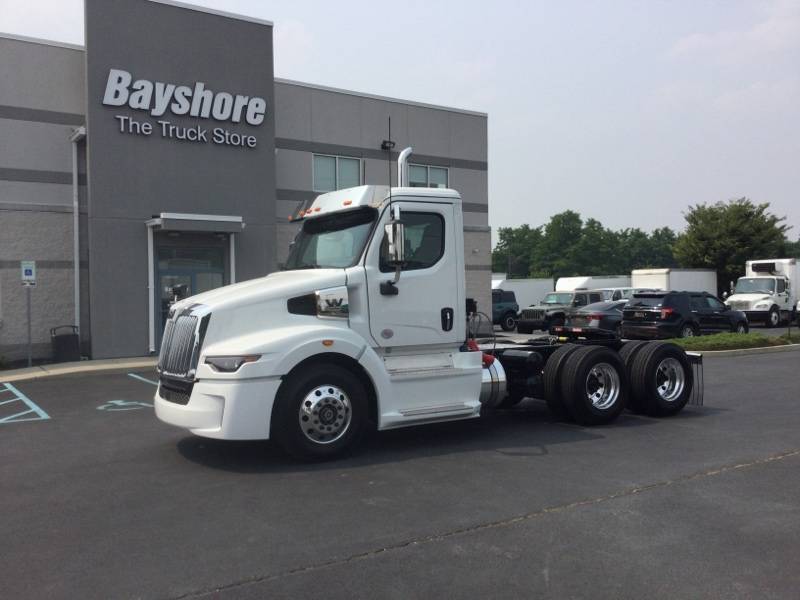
[768, 291]
[369, 328]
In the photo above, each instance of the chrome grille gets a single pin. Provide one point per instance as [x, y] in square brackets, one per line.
[533, 314]
[739, 304]
[178, 346]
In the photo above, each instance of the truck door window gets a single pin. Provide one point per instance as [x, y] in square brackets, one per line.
[595, 298]
[509, 297]
[580, 300]
[781, 286]
[424, 241]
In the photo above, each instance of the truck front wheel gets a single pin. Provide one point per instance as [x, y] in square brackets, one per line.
[320, 415]
[594, 385]
[508, 322]
[774, 318]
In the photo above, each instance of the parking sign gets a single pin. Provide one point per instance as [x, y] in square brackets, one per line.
[28, 272]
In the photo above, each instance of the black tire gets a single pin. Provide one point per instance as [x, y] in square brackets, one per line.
[688, 330]
[774, 318]
[740, 327]
[552, 380]
[285, 425]
[580, 373]
[508, 322]
[628, 354]
[646, 377]
[512, 399]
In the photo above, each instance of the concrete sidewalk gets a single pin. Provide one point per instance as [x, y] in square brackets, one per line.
[83, 366]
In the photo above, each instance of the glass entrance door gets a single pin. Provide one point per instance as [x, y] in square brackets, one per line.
[182, 272]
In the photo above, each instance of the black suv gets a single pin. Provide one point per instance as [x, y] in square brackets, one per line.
[658, 315]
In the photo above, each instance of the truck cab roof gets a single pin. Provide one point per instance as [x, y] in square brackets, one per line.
[374, 196]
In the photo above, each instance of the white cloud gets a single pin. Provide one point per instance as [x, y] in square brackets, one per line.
[294, 47]
[778, 32]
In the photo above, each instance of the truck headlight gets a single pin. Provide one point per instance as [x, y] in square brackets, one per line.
[230, 364]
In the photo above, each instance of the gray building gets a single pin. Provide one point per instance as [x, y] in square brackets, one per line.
[184, 157]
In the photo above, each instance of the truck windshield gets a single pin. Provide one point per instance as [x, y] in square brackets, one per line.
[333, 241]
[558, 298]
[755, 285]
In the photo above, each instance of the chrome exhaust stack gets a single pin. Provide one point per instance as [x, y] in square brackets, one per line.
[402, 167]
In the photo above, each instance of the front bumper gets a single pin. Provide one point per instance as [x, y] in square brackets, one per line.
[532, 323]
[227, 409]
[757, 316]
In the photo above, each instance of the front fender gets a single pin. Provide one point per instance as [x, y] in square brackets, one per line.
[282, 348]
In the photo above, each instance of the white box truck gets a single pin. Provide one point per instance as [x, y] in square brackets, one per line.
[526, 291]
[368, 328]
[592, 282]
[677, 280]
[768, 293]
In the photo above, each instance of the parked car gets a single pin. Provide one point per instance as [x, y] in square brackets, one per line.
[554, 308]
[658, 315]
[601, 315]
[504, 309]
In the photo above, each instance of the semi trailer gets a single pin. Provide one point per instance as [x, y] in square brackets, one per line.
[369, 328]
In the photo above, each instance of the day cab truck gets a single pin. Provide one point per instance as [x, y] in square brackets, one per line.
[768, 291]
[367, 328]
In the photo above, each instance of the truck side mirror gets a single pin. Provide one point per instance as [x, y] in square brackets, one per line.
[395, 235]
[724, 294]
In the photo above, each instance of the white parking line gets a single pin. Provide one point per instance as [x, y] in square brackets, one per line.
[31, 407]
[140, 378]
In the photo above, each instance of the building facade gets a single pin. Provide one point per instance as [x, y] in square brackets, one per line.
[184, 156]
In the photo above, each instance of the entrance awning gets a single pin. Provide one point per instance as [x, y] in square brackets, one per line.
[191, 222]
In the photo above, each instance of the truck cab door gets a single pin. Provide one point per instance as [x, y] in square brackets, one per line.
[428, 306]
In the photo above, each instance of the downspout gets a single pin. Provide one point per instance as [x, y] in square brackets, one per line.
[77, 135]
[402, 167]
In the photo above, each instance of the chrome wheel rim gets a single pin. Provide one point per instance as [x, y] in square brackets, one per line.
[602, 386]
[740, 328]
[510, 322]
[325, 414]
[688, 332]
[670, 379]
[774, 319]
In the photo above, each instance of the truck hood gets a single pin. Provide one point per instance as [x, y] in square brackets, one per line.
[747, 297]
[281, 285]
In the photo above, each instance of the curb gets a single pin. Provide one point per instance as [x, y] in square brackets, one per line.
[749, 351]
[85, 366]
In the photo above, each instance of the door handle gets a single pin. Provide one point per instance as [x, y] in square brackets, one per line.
[447, 319]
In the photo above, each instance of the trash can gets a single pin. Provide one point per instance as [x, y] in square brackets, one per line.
[66, 346]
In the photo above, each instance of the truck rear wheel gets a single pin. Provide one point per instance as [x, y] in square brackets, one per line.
[552, 380]
[321, 415]
[628, 354]
[594, 385]
[661, 379]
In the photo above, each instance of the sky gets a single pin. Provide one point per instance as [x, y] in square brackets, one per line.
[622, 110]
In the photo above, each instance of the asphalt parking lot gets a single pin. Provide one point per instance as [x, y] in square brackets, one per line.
[100, 500]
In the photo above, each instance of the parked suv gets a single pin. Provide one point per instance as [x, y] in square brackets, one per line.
[554, 308]
[504, 309]
[678, 314]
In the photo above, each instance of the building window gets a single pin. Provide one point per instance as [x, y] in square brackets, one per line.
[336, 172]
[425, 176]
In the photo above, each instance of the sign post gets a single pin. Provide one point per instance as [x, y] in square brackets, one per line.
[28, 268]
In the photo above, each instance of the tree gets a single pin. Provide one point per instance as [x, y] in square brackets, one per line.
[792, 249]
[512, 253]
[726, 234]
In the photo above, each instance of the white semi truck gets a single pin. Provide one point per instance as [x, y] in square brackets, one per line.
[768, 293]
[368, 328]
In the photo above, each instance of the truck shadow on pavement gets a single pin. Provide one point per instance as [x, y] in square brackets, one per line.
[526, 431]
